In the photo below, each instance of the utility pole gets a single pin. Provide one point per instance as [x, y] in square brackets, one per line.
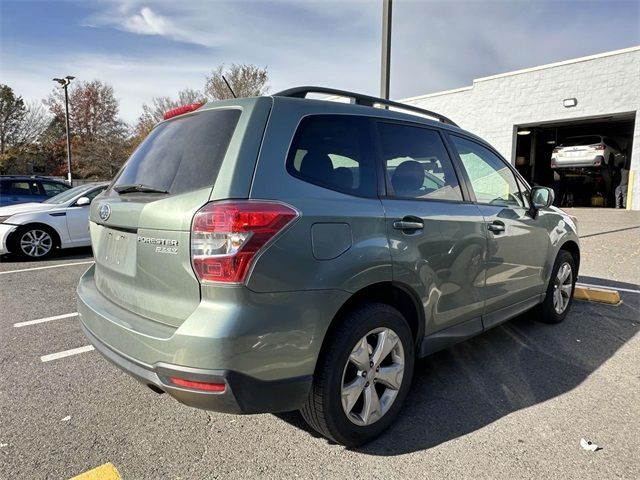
[385, 64]
[64, 82]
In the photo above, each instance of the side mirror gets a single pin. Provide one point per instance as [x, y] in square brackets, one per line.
[541, 197]
[83, 201]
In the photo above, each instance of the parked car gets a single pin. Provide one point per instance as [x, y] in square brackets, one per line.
[22, 189]
[278, 253]
[587, 151]
[35, 230]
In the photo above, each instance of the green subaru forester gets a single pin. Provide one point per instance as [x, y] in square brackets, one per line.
[281, 253]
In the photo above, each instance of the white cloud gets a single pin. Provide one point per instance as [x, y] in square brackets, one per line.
[147, 23]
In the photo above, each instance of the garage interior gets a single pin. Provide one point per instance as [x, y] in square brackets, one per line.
[574, 187]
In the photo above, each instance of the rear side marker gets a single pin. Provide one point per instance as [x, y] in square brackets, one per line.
[204, 386]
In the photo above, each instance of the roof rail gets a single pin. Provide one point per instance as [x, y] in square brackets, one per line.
[360, 99]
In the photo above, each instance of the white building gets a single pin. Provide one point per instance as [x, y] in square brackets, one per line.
[606, 89]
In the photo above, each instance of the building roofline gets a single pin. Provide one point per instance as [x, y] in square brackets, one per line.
[528, 70]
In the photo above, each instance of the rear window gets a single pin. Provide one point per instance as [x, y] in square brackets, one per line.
[578, 141]
[182, 154]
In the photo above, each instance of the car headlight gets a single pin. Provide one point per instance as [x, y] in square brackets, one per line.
[5, 218]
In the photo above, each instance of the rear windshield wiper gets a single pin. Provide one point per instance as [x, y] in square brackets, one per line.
[138, 187]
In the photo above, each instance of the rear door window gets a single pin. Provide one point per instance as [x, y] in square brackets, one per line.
[417, 164]
[182, 154]
[334, 151]
[21, 188]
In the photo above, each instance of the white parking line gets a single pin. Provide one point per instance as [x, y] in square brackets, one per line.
[66, 353]
[43, 320]
[608, 287]
[44, 268]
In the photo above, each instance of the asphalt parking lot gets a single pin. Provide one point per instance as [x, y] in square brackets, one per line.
[512, 403]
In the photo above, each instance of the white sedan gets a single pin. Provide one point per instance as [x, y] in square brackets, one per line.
[34, 230]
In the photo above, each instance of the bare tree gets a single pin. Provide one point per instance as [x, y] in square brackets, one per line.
[154, 112]
[245, 80]
[20, 123]
[34, 123]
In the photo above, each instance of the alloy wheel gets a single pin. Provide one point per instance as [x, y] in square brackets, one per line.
[36, 243]
[372, 376]
[562, 288]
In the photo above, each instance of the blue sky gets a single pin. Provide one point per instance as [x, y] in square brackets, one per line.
[151, 48]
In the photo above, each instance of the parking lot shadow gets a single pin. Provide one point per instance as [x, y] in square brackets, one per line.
[514, 366]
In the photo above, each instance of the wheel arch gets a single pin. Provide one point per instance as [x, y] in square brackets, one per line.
[55, 235]
[573, 248]
[396, 295]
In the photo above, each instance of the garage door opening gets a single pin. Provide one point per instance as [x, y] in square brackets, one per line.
[578, 183]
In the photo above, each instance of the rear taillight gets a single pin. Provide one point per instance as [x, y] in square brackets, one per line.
[227, 236]
[556, 150]
[599, 147]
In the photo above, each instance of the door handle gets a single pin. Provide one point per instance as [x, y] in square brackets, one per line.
[496, 227]
[408, 224]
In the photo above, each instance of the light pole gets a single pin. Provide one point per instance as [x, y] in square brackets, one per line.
[385, 64]
[65, 83]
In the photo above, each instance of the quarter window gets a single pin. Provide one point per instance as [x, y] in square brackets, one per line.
[417, 164]
[333, 151]
[492, 180]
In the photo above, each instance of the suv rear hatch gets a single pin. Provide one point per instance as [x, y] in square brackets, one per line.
[140, 227]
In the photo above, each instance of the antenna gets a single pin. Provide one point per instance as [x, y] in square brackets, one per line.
[229, 87]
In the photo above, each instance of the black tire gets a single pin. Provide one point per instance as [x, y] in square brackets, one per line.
[324, 410]
[546, 312]
[49, 242]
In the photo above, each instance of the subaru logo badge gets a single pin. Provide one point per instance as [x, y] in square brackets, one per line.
[104, 212]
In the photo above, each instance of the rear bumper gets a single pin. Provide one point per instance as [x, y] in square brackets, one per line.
[578, 162]
[5, 231]
[242, 394]
[263, 347]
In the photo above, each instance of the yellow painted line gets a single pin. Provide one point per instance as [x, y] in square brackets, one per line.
[594, 294]
[103, 472]
[630, 189]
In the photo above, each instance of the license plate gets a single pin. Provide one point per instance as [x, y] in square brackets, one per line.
[116, 248]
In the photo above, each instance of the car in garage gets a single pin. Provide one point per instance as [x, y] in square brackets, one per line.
[35, 230]
[587, 151]
[282, 253]
[16, 189]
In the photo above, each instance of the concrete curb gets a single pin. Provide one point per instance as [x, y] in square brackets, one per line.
[600, 295]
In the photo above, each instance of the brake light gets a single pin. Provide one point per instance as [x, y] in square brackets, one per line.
[174, 112]
[207, 387]
[599, 147]
[227, 236]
